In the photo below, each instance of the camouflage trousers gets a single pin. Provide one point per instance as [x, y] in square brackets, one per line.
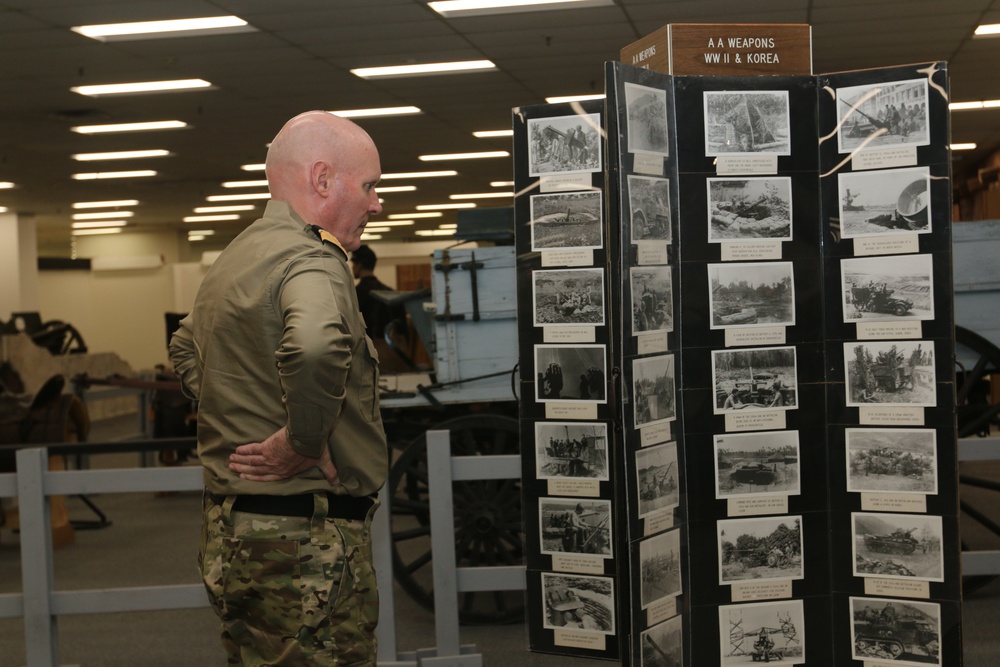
[291, 590]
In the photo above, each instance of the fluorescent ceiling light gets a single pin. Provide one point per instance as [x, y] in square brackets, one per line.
[120, 155]
[103, 215]
[423, 69]
[396, 188]
[106, 204]
[375, 112]
[248, 195]
[482, 195]
[245, 184]
[224, 209]
[196, 237]
[140, 87]
[6, 185]
[435, 232]
[488, 134]
[442, 207]
[370, 237]
[963, 106]
[448, 225]
[463, 156]
[404, 216]
[253, 167]
[456, 8]
[389, 223]
[573, 98]
[201, 232]
[3, 209]
[418, 174]
[93, 232]
[963, 147]
[102, 175]
[210, 218]
[987, 30]
[130, 127]
[208, 25]
[501, 184]
[98, 224]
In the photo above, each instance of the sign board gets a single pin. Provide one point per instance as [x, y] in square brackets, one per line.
[708, 49]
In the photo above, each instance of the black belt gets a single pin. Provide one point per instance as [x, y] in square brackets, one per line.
[302, 505]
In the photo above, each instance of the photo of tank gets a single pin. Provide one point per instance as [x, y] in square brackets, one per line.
[903, 632]
[760, 463]
[898, 546]
[891, 460]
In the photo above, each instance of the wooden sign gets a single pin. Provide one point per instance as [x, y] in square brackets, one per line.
[750, 49]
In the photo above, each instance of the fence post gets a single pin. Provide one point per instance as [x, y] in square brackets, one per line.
[40, 636]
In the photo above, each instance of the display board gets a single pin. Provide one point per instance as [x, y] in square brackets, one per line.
[736, 343]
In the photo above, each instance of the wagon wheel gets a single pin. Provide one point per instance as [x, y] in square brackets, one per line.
[488, 525]
[976, 414]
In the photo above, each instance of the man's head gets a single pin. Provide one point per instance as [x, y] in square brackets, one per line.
[363, 260]
[326, 167]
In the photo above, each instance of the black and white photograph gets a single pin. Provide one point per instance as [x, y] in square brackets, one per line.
[748, 379]
[571, 373]
[579, 602]
[564, 144]
[652, 299]
[649, 203]
[889, 201]
[663, 644]
[568, 297]
[758, 463]
[659, 567]
[771, 632]
[892, 460]
[647, 119]
[751, 294]
[749, 209]
[575, 526]
[566, 220]
[747, 123]
[654, 390]
[760, 549]
[898, 546]
[571, 450]
[881, 115]
[883, 289]
[656, 473]
[890, 373]
[904, 632]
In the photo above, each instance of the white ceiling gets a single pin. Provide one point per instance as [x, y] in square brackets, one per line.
[300, 56]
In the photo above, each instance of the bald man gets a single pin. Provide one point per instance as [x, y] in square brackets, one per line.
[289, 429]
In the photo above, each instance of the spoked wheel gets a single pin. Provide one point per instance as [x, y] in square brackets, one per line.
[979, 359]
[488, 526]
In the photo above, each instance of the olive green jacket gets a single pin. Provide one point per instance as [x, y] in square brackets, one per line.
[275, 339]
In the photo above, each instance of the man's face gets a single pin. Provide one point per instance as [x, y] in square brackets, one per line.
[355, 199]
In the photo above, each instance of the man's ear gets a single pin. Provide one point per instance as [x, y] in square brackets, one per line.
[321, 177]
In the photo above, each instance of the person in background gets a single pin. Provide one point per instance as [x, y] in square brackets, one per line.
[289, 430]
[377, 313]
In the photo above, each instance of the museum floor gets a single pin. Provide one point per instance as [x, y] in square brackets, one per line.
[153, 541]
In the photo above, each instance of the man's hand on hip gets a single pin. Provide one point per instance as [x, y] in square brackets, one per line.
[274, 459]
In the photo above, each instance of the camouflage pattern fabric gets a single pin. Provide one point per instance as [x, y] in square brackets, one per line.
[291, 590]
